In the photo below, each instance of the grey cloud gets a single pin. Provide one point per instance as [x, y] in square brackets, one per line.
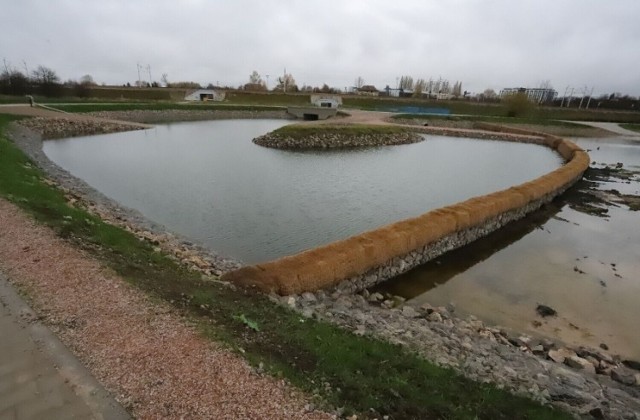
[483, 43]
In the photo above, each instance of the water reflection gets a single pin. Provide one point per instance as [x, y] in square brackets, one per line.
[579, 255]
[439, 270]
[209, 182]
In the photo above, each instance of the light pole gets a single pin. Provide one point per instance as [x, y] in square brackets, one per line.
[590, 95]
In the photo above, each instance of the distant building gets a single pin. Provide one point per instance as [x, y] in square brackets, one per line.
[389, 91]
[255, 87]
[441, 96]
[326, 101]
[205, 95]
[537, 95]
[368, 90]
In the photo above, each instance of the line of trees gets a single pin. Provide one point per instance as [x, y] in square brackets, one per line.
[42, 81]
[431, 87]
[285, 83]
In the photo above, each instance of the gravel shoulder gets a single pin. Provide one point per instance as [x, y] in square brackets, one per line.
[144, 353]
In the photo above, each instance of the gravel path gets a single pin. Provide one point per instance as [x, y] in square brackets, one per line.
[143, 352]
[38, 111]
[612, 127]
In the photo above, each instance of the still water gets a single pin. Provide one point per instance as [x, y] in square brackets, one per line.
[583, 265]
[208, 181]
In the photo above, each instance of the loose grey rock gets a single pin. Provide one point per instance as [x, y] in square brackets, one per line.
[309, 297]
[545, 311]
[538, 349]
[623, 375]
[409, 312]
[632, 364]
[597, 413]
[560, 355]
[434, 317]
[578, 362]
[375, 297]
[570, 395]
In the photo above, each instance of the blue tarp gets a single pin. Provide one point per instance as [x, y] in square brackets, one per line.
[415, 110]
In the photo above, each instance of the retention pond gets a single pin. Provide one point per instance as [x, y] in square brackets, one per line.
[208, 181]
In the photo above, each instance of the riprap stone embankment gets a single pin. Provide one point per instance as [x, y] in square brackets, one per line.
[335, 140]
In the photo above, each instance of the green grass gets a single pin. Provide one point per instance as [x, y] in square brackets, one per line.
[304, 130]
[632, 127]
[490, 119]
[160, 106]
[281, 99]
[126, 95]
[362, 373]
[496, 110]
[21, 99]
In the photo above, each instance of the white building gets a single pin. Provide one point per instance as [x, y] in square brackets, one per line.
[537, 95]
[205, 95]
[326, 101]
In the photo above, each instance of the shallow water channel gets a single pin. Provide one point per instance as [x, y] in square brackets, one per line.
[582, 264]
[208, 181]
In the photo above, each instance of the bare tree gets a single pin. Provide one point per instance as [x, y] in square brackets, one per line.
[254, 78]
[419, 87]
[286, 83]
[87, 80]
[46, 81]
[437, 86]
[13, 82]
[457, 89]
[406, 83]
[430, 87]
[45, 76]
[489, 94]
[444, 87]
[359, 82]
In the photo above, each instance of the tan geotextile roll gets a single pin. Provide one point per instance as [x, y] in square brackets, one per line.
[330, 264]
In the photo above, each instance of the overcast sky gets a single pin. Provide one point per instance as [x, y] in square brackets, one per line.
[482, 43]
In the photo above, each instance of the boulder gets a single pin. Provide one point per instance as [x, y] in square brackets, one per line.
[578, 362]
[632, 364]
[623, 375]
[545, 311]
[434, 317]
[409, 312]
[309, 297]
[560, 355]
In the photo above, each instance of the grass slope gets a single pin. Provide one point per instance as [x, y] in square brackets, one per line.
[490, 119]
[304, 130]
[161, 106]
[362, 374]
[496, 110]
[632, 127]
